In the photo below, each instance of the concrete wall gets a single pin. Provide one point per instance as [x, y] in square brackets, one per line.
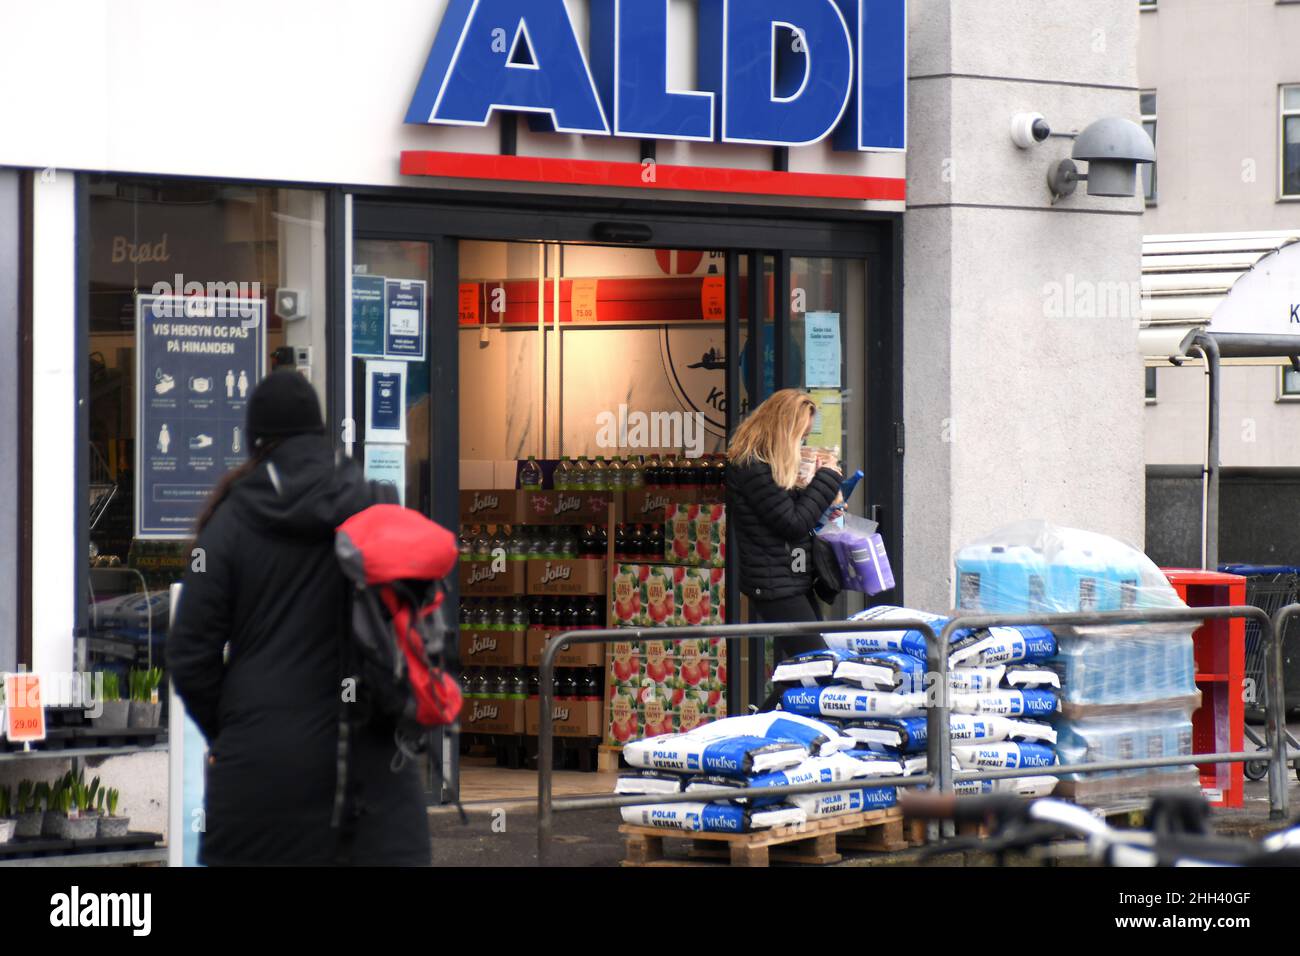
[1215, 66]
[1019, 403]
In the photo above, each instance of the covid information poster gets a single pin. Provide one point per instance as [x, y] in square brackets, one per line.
[368, 311]
[197, 360]
[404, 319]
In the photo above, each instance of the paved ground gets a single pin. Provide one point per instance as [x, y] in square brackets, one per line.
[504, 832]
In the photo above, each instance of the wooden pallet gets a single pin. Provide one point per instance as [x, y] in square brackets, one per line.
[817, 842]
[609, 759]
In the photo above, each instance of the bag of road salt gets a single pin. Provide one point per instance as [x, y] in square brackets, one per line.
[835, 768]
[1009, 703]
[867, 642]
[811, 669]
[712, 817]
[648, 782]
[976, 680]
[883, 670]
[1031, 675]
[886, 734]
[1006, 754]
[816, 737]
[736, 756]
[1020, 786]
[977, 728]
[1002, 645]
[817, 805]
[844, 701]
[915, 764]
[1032, 731]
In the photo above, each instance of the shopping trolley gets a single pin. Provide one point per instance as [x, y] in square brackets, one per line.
[1270, 588]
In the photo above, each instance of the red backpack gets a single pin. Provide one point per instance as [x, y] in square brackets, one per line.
[396, 559]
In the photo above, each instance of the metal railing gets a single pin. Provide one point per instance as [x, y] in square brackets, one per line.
[939, 742]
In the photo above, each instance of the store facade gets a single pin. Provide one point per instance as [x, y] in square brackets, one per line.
[534, 219]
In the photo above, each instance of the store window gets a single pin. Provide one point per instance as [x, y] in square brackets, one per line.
[197, 291]
[1288, 384]
[1291, 142]
[1148, 102]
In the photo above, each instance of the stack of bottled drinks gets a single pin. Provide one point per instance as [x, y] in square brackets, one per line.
[653, 472]
[522, 542]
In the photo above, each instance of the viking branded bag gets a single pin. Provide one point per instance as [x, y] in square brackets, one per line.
[1006, 754]
[712, 817]
[1009, 703]
[883, 670]
[725, 757]
[976, 680]
[1031, 675]
[1020, 786]
[809, 669]
[1003, 645]
[866, 642]
[817, 737]
[648, 782]
[850, 702]
[887, 734]
[817, 805]
[835, 768]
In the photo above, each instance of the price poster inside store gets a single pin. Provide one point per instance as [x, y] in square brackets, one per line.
[24, 714]
[198, 361]
[404, 301]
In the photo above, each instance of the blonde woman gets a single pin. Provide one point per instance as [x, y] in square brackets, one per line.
[774, 518]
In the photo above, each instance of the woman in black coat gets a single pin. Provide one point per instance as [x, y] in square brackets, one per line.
[774, 519]
[255, 655]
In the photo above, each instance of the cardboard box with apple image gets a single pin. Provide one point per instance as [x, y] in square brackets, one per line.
[661, 595]
[657, 687]
[652, 505]
[696, 535]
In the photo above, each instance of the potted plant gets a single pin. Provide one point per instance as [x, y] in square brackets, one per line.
[28, 810]
[51, 797]
[111, 825]
[77, 820]
[8, 825]
[115, 711]
[144, 697]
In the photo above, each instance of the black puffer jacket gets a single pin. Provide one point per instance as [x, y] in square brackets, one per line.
[771, 523]
[272, 588]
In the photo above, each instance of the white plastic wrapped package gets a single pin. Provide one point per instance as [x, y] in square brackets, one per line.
[866, 642]
[978, 728]
[816, 736]
[810, 669]
[1031, 675]
[712, 817]
[976, 680]
[1038, 786]
[1004, 755]
[1030, 731]
[1128, 665]
[736, 756]
[1009, 703]
[1033, 566]
[646, 782]
[883, 670]
[818, 805]
[841, 700]
[1002, 645]
[1166, 732]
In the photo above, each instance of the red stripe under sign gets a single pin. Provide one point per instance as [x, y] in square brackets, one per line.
[587, 172]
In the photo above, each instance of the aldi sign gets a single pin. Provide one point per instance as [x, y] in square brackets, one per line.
[771, 72]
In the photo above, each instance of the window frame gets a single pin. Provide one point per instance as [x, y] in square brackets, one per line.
[1153, 390]
[1283, 115]
[1283, 396]
[1153, 118]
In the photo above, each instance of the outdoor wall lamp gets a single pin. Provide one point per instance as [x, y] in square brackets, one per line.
[1113, 148]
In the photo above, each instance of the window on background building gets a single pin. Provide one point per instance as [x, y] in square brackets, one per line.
[1151, 386]
[1291, 142]
[1148, 101]
[1146, 4]
[188, 310]
[1288, 384]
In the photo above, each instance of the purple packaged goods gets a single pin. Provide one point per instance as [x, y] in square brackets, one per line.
[864, 564]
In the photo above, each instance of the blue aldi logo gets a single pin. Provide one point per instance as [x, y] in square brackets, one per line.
[772, 72]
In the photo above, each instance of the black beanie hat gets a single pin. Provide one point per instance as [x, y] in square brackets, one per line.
[284, 404]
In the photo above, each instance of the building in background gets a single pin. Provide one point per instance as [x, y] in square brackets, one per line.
[1221, 99]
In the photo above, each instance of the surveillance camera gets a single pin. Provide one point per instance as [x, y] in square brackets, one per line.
[1029, 129]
